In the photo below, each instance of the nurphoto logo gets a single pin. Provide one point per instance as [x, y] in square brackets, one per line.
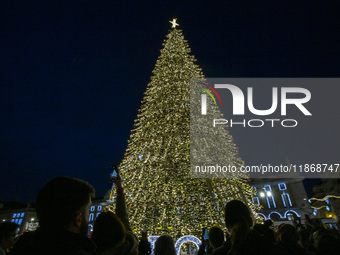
[296, 96]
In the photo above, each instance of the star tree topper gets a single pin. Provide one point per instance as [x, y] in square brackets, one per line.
[174, 23]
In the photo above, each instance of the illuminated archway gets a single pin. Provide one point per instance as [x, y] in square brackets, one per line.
[178, 244]
[279, 216]
[291, 211]
[185, 239]
[262, 215]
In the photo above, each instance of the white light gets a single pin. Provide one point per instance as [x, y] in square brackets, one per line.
[185, 239]
[32, 219]
[262, 194]
[269, 194]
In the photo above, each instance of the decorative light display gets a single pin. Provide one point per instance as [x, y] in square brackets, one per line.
[186, 239]
[324, 199]
[182, 240]
[160, 194]
[291, 211]
[140, 156]
[284, 216]
[152, 240]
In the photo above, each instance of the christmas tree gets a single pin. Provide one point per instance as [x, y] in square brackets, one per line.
[161, 196]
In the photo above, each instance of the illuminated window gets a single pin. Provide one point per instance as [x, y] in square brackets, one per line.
[97, 215]
[286, 200]
[267, 188]
[91, 217]
[22, 215]
[14, 215]
[255, 191]
[256, 200]
[290, 216]
[282, 186]
[20, 221]
[99, 208]
[269, 196]
[271, 202]
[93, 208]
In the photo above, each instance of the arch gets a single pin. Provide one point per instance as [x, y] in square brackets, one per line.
[91, 216]
[293, 212]
[185, 239]
[273, 214]
[262, 215]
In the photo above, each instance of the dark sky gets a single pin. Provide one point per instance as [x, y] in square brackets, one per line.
[73, 73]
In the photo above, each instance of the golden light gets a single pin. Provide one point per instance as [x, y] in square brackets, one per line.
[174, 23]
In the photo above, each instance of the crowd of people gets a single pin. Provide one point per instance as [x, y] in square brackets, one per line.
[63, 211]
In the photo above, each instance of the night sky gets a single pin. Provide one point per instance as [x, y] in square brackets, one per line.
[73, 74]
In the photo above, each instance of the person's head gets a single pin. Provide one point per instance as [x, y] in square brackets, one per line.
[8, 232]
[235, 212]
[238, 221]
[164, 245]
[264, 231]
[108, 231]
[288, 235]
[327, 243]
[64, 202]
[216, 237]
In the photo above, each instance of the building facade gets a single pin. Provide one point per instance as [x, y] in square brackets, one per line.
[24, 215]
[326, 199]
[281, 200]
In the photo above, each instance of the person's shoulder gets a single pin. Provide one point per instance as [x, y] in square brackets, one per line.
[222, 250]
[43, 242]
[257, 243]
[26, 244]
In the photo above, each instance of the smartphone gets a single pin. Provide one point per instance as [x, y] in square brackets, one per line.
[205, 233]
[114, 173]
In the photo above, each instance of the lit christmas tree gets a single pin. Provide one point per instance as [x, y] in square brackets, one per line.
[161, 196]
